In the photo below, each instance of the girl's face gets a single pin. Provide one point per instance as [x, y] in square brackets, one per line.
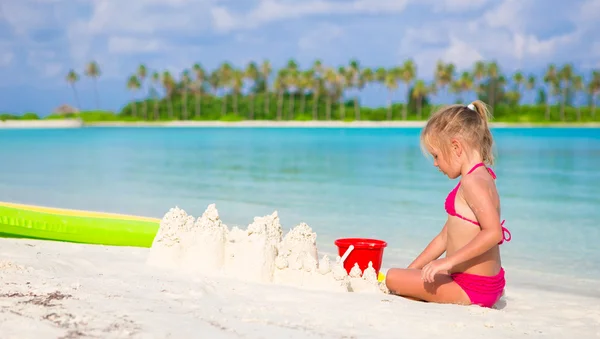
[446, 162]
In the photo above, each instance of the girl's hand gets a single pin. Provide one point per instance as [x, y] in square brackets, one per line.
[430, 270]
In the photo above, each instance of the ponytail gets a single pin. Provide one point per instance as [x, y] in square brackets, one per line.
[482, 109]
[486, 135]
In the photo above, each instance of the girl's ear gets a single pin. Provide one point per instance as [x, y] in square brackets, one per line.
[456, 147]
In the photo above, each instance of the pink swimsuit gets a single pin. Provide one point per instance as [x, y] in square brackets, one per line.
[482, 290]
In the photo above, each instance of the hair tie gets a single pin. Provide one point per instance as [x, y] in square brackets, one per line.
[471, 107]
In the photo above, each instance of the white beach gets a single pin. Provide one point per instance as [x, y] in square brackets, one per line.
[315, 123]
[65, 290]
[77, 123]
[54, 123]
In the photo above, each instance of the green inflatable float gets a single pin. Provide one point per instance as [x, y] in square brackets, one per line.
[36, 222]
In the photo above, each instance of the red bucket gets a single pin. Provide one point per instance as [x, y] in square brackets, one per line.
[365, 250]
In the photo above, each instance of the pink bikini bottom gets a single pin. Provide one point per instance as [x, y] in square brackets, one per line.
[481, 290]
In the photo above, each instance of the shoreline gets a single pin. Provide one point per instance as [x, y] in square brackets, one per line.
[54, 123]
[77, 123]
[320, 124]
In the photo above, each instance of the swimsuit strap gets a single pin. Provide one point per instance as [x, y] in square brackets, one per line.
[482, 164]
[475, 167]
[505, 231]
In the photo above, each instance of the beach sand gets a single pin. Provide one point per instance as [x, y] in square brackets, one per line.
[64, 290]
[318, 123]
[76, 123]
[54, 123]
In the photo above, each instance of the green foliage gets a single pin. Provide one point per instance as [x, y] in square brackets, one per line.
[98, 116]
[303, 117]
[231, 117]
[60, 116]
[26, 116]
[7, 116]
[88, 116]
[30, 116]
[211, 108]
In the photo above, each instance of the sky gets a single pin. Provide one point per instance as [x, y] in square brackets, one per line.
[40, 40]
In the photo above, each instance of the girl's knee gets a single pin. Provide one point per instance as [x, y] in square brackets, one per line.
[399, 279]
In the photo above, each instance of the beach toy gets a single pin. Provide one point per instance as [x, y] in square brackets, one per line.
[363, 251]
[346, 254]
[380, 277]
[36, 222]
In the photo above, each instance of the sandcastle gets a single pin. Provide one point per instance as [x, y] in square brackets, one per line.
[260, 253]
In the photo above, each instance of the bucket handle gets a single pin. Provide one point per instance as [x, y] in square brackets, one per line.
[346, 254]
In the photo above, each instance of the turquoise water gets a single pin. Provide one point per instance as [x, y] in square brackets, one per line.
[342, 182]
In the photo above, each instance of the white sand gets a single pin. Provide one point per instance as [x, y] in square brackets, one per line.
[259, 123]
[75, 123]
[52, 289]
[55, 123]
[316, 123]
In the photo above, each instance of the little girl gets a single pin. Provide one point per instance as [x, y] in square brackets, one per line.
[460, 141]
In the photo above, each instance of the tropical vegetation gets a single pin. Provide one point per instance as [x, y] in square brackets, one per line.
[321, 92]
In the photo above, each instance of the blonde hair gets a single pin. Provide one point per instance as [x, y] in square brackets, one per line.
[470, 123]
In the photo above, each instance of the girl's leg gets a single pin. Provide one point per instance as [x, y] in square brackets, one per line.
[407, 283]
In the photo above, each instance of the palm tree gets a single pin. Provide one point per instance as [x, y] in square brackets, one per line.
[279, 87]
[316, 86]
[594, 90]
[550, 79]
[391, 82]
[186, 81]
[214, 81]
[225, 75]
[265, 73]
[237, 84]
[408, 72]
[92, 70]
[72, 78]
[330, 79]
[493, 73]
[420, 90]
[169, 84]
[305, 83]
[578, 86]
[133, 84]
[355, 81]
[291, 83]
[251, 74]
[565, 77]
[444, 74]
[461, 85]
[379, 77]
[156, 82]
[518, 79]
[479, 72]
[530, 82]
[142, 73]
[340, 87]
[366, 76]
[199, 87]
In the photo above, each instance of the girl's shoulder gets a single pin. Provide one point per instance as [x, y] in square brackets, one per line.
[477, 183]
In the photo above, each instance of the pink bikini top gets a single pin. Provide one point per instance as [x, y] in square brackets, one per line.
[449, 205]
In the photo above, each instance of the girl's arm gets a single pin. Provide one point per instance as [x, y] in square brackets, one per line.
[434, 250]
[478, 196]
